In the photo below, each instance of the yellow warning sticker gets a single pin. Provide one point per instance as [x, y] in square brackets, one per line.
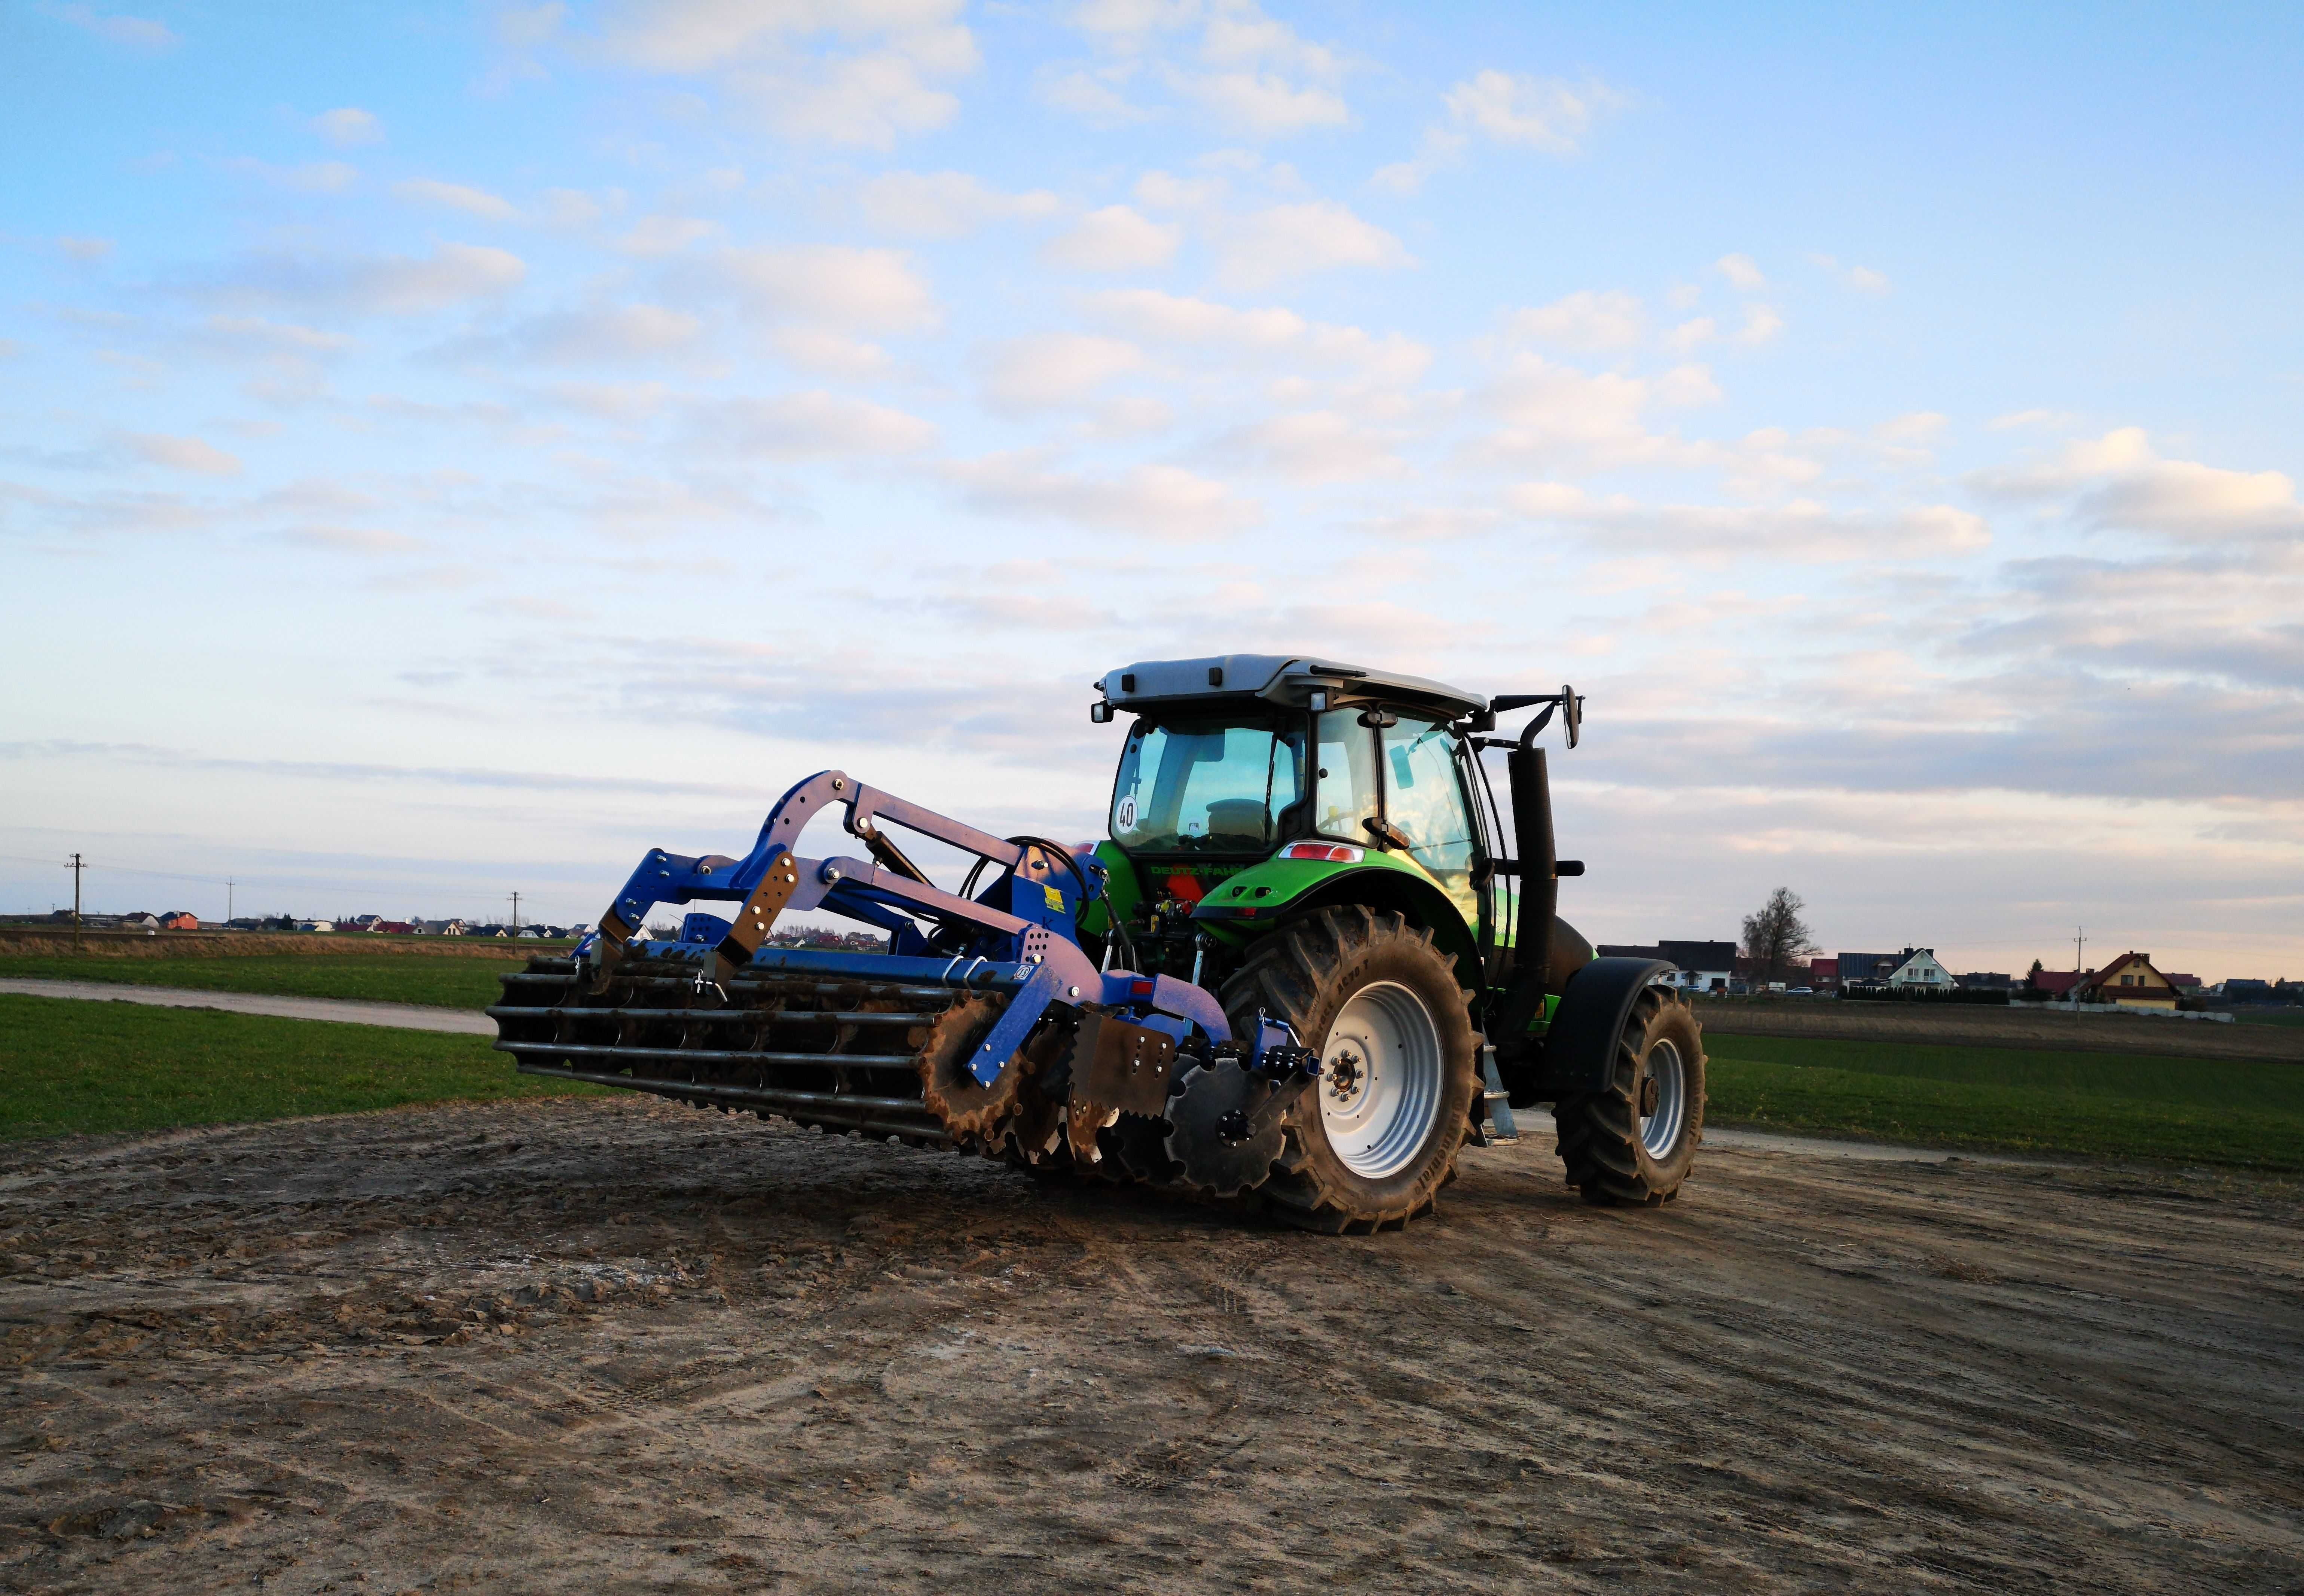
[1056, 899]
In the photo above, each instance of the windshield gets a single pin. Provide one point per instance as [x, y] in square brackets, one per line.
[1205, 785]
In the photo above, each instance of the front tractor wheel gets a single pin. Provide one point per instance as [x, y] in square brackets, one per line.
[1378, 1134]
[1634, 1141]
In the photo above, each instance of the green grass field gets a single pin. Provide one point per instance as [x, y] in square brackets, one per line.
[454, 981]
[2116, 1105]
[68, 1065]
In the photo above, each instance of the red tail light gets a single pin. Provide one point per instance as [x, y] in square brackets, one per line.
[1333, 853]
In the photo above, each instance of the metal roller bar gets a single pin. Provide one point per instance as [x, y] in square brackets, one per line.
[833, 988]
[809, 1102]
[759, 1016]
[906, 1061]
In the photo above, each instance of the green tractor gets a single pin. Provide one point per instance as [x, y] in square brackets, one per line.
[1303, 969]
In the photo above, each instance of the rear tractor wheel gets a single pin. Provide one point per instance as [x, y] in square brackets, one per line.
[1634, 1141]
[1378, 1133]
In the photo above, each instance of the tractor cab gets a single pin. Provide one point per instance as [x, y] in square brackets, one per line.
[1248, 780]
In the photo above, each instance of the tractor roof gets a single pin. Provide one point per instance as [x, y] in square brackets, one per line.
[1276, 678]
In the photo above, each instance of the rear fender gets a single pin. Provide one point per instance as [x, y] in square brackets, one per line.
[1580, 1050]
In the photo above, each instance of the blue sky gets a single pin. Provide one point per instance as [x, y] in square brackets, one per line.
[446, 450]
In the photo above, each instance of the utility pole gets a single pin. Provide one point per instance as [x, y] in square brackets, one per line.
[2079, 941]
[228, 886]
[77, 866]
[515, 914]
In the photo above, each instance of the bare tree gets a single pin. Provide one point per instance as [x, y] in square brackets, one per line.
[1776, 936]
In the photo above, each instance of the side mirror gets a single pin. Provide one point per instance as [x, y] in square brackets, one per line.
[1101, 711]
[1572, 712]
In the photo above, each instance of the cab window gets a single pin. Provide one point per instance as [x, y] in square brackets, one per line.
[1205, 785]
[1348, 794]
[1424, 796]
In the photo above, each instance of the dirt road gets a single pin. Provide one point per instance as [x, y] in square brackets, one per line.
[405, 1016]
[616, 1345]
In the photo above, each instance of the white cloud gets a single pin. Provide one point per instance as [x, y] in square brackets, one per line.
[1915, 427]
[312, 177]
[1250, 72]
[1571, 418]
[349, 125]
[666, 235]
[1547, 114]
[571, 208]
[182, 454]
[352, 540]
[283, 337]
[1761, 324]
[835, 354]
[604, 333]
[613, 401]
[1742, 272]
[1586, 321]
[1691, 334]
[84, 249]
[877, 78]
[1289, 240]
[1390, 359]
[1053, 369]
[1166, 504]
[1431, 523]
[1686, 386]
[1265, 103]
[871, 290]
[1313, 446]
[1115, 238]
[529, 26]
[142, 33]
[2119, 483]
[814, 424]
[1862, 279]
[456, 197]
[1802, 528]
[390, 285]
[944, 205]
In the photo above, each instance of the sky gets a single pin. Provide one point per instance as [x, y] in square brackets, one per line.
[446, 450]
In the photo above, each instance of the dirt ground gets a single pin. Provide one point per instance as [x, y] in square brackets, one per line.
[613, 1345]
[1961, 1025]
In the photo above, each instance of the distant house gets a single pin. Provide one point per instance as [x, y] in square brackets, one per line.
[315, 925]
[1696, 966]
[392, 927]
[2189, 985]
[2130, 981]
[180, 920]
[1984, 980]
[1824, 974]
[1920, 968]
[140, 921]
[2057, 985]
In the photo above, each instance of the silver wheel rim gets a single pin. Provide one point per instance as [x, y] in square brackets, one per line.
[1380, 1079]
[1660, 1131]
